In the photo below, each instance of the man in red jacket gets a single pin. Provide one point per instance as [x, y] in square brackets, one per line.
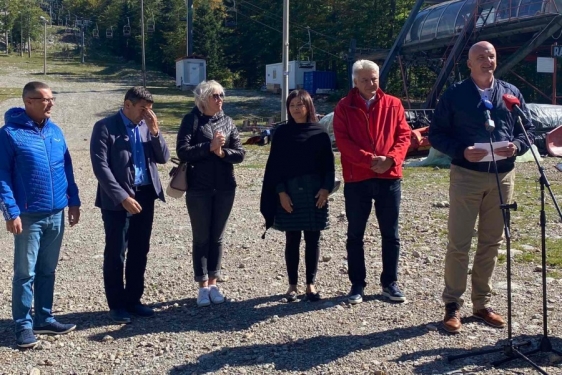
[373, 137]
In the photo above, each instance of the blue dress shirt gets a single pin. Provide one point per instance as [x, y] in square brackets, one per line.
[139, 161]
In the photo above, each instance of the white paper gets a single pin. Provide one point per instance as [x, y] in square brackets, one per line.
[486, 146]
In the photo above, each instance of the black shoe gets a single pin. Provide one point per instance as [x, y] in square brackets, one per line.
[355, 295]
[141, 310]
[393, 292]
[26, 338]
[120, 316]
[55, 328]
[313, 297]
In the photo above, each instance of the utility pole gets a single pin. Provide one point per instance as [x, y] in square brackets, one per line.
[44, 45]
[82, 28]
[285, 88]
[189, 27]
[143, 58]
[28, 38]
[21, 34]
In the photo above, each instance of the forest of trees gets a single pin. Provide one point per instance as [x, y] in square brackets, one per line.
[237, 44]
[237, 37]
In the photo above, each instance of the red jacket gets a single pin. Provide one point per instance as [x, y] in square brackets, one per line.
[362, 134]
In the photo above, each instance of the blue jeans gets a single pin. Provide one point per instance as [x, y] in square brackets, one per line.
[359, 198]
[36, 254]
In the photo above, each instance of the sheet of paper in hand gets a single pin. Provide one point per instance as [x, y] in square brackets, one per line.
[486, 146]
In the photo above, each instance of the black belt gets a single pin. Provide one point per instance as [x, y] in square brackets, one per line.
[139, 188]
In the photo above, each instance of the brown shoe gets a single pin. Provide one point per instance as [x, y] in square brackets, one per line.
[452, 320]
[489, 317]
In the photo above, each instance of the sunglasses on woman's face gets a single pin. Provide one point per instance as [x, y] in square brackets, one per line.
[218, 96]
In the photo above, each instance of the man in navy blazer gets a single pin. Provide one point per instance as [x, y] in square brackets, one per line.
[124, 150]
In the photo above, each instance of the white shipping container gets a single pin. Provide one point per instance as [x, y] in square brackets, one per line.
[274, 73]
[190, 72]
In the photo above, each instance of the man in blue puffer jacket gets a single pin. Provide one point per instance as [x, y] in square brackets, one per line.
[36, 184]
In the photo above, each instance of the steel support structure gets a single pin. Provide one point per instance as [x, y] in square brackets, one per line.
[454, 55]
[384, 72]
[554, 26]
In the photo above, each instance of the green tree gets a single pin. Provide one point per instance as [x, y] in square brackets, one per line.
[208, 34]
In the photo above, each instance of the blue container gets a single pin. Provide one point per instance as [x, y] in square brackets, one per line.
[319, 80]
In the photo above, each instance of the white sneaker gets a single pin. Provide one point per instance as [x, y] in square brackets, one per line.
[203, 297]
[216, 295]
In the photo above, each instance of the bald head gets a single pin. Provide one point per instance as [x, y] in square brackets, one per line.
[482, 62]
[480, 47]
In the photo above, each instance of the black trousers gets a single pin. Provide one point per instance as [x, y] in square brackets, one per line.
[311, 255]
[208, 212]
[359, 197]
[130, 234]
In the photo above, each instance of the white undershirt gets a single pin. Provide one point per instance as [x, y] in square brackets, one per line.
[485, 93]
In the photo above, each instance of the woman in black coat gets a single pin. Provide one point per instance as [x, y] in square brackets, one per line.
[209, 141]
[299, 176]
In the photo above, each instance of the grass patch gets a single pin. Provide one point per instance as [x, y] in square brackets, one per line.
[9, 93]
[554, 274]
[251, 166]
[171, 109]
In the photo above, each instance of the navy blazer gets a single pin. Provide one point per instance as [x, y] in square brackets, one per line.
[112, 161]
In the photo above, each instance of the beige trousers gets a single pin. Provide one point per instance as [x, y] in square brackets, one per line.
[474, 194]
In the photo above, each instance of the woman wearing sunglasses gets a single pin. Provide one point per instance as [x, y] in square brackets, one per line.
[209, 141]
[298, 178]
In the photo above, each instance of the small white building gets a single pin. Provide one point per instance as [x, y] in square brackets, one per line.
[190, 72]
[274, 74]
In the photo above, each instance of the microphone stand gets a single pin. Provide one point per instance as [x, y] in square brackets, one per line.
[545, 344]
[510, 349]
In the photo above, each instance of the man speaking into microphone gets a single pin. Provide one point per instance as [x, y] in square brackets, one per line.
[468, 113]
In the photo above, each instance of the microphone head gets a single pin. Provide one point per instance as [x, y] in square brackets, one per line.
[510, 101]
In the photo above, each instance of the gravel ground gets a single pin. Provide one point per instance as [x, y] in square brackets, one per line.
[256, 332]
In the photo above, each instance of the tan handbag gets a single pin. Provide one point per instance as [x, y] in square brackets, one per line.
[178, 175]
[178, 179]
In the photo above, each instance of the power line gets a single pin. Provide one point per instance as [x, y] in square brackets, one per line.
[261, 23]
[292, 23]
[298, 39]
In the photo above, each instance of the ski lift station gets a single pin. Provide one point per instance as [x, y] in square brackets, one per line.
[274, 75]
[190, 72]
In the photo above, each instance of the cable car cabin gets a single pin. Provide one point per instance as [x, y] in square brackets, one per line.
[230, 23]
[109, 33]
[150, 26]
[126, 30]
[96, 33]
[305, 64]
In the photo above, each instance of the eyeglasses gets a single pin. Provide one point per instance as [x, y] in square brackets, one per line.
[218, 96]
[45, 100]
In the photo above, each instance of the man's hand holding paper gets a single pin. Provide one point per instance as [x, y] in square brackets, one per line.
[502, 150]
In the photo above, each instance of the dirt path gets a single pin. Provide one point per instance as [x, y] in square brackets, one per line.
[256, 332]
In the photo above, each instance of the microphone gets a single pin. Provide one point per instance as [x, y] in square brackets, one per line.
[513, 104]
[490, 125]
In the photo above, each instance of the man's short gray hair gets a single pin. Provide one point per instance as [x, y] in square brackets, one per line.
[363, 65]
[32, 88]
[204, 91]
